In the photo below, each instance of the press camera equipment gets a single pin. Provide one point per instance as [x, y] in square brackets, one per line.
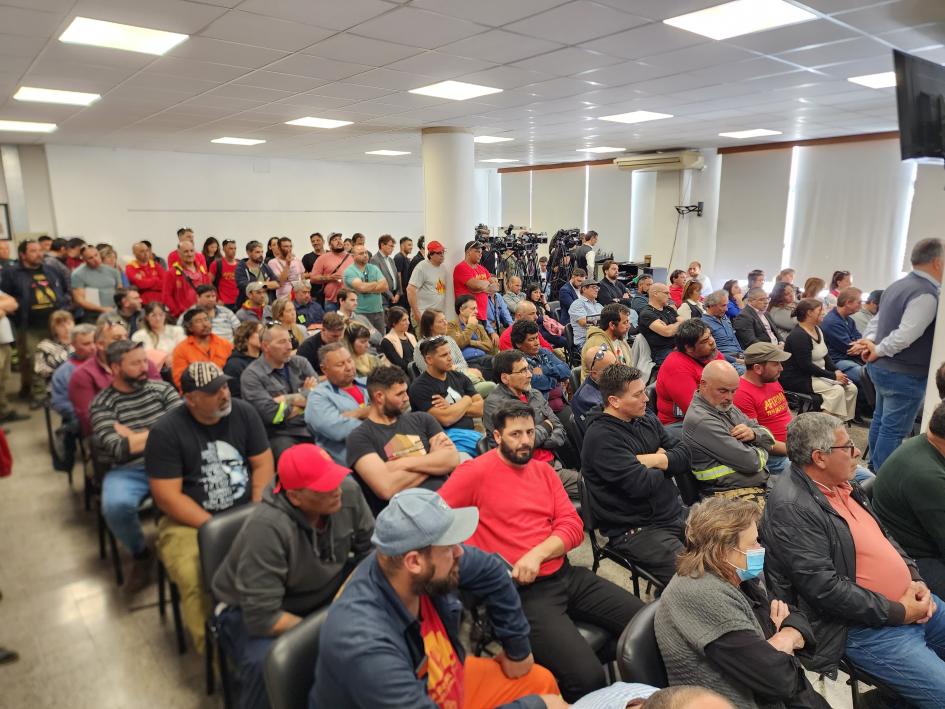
[517, 252]
[560, 263]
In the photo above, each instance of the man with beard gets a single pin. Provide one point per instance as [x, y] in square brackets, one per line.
[729, 450]
[611, 330]
[528, 520]
[392, 636]
[329, 270]
[401, 261]
[287, 267]
[122, 415]
[760, 396]
[369, 283]
[252, 269]
[202, 458]
[391, 450]
[200, 345]
[679, 375]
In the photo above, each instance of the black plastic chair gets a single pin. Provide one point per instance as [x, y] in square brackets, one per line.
[569, 339]
[602, 551]
[290, 664]
[483, 445]
[857, 677]
[575, 379]
[164, 585]
[867, 487]
[801, 402]
[638, 654]
[214, 540]
[570, 453]
[575, 435]
[651, 398]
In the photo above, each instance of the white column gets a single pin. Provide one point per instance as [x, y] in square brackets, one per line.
[448, 164]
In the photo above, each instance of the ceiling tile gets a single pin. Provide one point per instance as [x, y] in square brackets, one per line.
[499, 46]
[249, 92]
[576, 22]
[783, 39]
[506, 77]
[304, 103]
[426, 29]
[909, 40]
[347, 47]
[28, 23]
[556, 88]
[391, 80]
[439, 66]
[12, 45]
[568, 61]
[351, 91]
[245, 27]
[488, 12]
[281, 82]
[836, 52]
[626, 73]
[170, 15]
[205, 49]
[895, 15]
[319, 67]
[642, 41]
[698, 57]
[195, 70]
[322, 13]
[660, 9]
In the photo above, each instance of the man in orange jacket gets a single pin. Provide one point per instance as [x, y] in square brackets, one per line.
[200, 345]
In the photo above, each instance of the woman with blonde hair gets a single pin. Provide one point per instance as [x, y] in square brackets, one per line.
[716, 625]
[813, 287]
[54, 350]
[283, 312]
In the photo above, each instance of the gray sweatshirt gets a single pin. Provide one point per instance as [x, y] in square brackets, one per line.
[278, 562]
[719, 460]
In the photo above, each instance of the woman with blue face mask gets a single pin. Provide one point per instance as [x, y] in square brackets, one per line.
[717, 627]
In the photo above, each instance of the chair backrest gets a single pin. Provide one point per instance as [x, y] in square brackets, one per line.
[566, 416]
[638, 654]
[586, 512]
[575, 379]
[215, 538]
[641, 357]
[651, 396]
[867, 487]
[483, 445]
[290, 664]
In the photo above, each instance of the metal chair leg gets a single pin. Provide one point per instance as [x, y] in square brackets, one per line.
[212, 642]
[224, 676]
[162, 591]
[178, 623]
[116, 558]
[102, 554]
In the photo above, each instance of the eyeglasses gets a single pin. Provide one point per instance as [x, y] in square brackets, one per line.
[851, 446]
[527, 370]
[599, 355]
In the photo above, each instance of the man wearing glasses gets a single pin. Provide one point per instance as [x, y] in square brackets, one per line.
[827, 552]
[514, 375]
[753, 324]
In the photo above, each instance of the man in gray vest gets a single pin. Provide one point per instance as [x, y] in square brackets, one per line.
[897, 345]
[584, 254]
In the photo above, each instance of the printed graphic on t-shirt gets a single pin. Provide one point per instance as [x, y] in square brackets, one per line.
[403, 445]
[223, 475]
[440, 286]
[452, 396]
[775, 405]
[44, 297]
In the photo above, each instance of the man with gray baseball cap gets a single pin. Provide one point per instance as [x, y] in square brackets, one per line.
[392, 637]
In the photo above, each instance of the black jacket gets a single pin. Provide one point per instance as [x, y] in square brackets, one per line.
[749, 328]
[799, 369]
[234, 366]
[615, 292]
[17, 282]
[811, 564]
[627, 494]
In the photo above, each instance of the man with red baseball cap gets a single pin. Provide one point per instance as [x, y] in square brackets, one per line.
[427, 285]
[309, 531]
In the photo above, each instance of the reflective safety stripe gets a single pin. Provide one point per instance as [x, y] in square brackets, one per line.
[719, 471]
[280, 414]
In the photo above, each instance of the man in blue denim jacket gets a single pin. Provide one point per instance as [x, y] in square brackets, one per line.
[338, 405]
[547, 370]
[391, 638]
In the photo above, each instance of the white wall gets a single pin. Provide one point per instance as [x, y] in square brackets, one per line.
[121, 196]
[39, 203]
[927, 212]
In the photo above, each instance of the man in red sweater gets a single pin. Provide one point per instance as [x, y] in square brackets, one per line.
[679, 375]
[145, 273]
[525, 517]
[760, 396]
[183, 279]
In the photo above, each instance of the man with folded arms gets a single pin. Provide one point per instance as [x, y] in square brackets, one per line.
[289, 559]
[205, 457]
[527, 518]
[392, 636]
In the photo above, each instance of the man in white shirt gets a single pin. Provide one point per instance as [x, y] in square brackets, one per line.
[427, 285]
[695, 271]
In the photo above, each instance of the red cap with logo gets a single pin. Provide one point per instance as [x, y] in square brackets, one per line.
[435, 247]
[310, 467]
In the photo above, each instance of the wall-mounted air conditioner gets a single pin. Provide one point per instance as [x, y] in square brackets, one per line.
[651, 162]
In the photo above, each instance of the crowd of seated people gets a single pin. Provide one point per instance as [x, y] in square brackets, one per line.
[384, 444]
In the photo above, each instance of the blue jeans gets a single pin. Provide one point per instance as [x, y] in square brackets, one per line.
[898, 399]
[248, 653]
[908, 658]
[778, 464]
[122, 491]
[851, 368]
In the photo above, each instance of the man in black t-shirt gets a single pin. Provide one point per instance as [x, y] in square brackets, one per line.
[658, 323]
[446, 394]
[392, 451]
[333, 327]
[205, 457]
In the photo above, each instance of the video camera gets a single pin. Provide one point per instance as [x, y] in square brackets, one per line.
[523, 242]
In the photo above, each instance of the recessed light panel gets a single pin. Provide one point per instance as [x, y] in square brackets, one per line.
[27, 127]
[635, 117]
[499, 160]
[734, 19]
[755, 133]
[388, 153]
[313, 122]
[113, 35]
[490, 139]
[602, 149]
[237, 141]
[455, 90]
[71, 98]
[882, 80]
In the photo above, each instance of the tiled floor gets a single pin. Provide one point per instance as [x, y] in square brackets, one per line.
[83, 642]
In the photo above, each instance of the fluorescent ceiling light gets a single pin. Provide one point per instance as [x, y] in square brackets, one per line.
[27, 127]
[490, 139]
[883, 80]
[71, 98]
[390, 153]
[499, 160]
[312, 122]
[113, 35]
[733, 19]
[635, 117]
[455, 90]
[602, 149]
[237, 141]
[756, 133]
